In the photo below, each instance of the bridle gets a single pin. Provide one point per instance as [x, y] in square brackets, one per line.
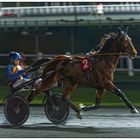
[118, 54]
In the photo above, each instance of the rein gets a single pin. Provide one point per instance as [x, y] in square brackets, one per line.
[108, 54]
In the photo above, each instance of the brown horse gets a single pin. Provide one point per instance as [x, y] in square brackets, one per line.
[103, 64]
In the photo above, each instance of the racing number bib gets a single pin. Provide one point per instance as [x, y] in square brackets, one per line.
[85, 64]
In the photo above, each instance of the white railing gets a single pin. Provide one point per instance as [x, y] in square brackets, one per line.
[129, 68]
[62, 10]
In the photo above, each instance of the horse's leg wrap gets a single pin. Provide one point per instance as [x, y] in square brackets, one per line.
[126, 101]
[99, 95]
[117, 91]
[88, 108]
[92, 107]
[124, 98]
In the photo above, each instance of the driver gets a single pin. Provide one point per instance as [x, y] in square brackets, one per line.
[15, 71]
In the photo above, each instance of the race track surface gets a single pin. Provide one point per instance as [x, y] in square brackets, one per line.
[102, 123]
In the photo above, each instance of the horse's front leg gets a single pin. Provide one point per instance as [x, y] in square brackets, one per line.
[99, 96]
[111, 87]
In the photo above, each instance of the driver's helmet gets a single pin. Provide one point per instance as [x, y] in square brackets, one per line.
[22, 55]
[14, 56]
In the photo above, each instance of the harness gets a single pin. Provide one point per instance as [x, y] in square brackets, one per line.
[67, 77]
[86, 64]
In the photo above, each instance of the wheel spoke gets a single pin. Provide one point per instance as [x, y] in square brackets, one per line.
[57, 110]
[16, 110]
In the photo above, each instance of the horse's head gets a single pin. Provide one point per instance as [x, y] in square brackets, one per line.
[116, 43]
[126, 44]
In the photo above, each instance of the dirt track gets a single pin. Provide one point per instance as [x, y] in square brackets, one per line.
[104, 122]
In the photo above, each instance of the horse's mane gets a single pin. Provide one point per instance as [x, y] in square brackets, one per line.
[105, 41]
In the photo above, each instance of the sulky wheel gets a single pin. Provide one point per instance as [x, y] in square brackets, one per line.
[56, 108]
[16, 110]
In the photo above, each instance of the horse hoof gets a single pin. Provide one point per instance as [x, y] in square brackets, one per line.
[134, 111]
[79, 115]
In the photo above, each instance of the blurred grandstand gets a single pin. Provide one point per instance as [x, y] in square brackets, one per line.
[44, 29]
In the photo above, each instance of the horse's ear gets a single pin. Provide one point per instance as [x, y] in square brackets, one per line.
[127, 29]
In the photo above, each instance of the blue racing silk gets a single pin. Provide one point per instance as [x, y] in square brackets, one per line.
[11, 74]
[27, 76]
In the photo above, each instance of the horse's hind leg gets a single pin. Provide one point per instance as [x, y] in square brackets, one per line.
[69, 88]
[111, 87]
[99, 96]
[66, 95]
